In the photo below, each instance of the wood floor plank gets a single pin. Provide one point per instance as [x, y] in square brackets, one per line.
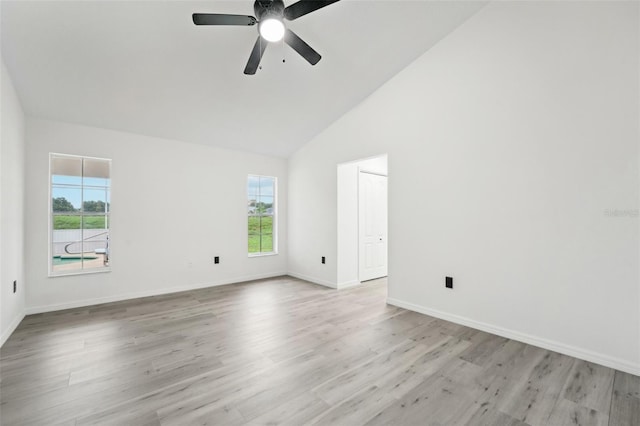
[403, 378]
[357, 409]
[500, 381]
[296, 411]
[590, 385]
[134, 417]
[204, 416]
[625, 403]
[283, 351]
[491, 417]
[214, 383]
[436, 401]
[365, 375]
[484, 345]
[569, 413]
[537, 394]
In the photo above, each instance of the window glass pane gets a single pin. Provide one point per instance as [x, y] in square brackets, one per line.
[95, 222]
[94, 200]
[64, 262]
[252, 200]
[65, 199]
[67, 249]
[66, 222]
[267, 185]
[92, 260]
[254, 243]
[266, 224]
[95, 170]
[66, 180]
[252, 185]
[264, 205]
[94, 241]
[267, 243]
[66, 166]
[254, 225]
[92, 181]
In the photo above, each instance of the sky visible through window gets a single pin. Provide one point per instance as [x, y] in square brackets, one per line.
[254, 185]
[73, 194]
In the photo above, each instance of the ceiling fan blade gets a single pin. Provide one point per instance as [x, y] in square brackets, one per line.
[256, 56]
[222, 19]
[301, 47]
[303, 7]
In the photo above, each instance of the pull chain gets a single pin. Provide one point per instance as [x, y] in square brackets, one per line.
[283, 51]
[260, 38]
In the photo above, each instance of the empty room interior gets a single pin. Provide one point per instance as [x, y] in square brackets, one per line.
[380, 212]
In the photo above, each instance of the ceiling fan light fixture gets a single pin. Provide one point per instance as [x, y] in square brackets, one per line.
[271, 29]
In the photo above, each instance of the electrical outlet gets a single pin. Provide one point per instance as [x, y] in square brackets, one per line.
[323, 260]
[448, 282]
[216, 259]
[15, 286]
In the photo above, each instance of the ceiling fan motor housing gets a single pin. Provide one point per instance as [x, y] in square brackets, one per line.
[269, 9]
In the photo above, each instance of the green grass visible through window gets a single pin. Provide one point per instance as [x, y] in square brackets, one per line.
[73, 222]
[260, 234]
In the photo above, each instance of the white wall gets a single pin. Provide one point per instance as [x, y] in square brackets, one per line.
[175, 206]
[507, 143]
[348, 219]
[11, 208]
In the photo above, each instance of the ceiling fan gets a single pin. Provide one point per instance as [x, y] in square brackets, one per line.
[269, 17]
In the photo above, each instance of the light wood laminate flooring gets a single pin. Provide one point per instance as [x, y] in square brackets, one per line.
[284, 351]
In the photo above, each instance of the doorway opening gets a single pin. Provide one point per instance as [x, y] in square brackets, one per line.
[362, 221]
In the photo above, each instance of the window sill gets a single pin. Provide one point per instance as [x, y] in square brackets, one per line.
[84, 272]
[274, 253]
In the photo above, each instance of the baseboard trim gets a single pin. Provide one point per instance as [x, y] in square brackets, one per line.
[584, 354]
[312, 279]
[12, 327]
[348, 284]
[136, 295]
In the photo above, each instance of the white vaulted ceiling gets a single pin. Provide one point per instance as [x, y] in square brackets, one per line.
[143, 67]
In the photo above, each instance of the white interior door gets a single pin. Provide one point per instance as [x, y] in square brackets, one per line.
[372, 212]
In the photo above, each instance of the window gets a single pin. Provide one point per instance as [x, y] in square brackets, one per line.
[261, 210]
[80, 205]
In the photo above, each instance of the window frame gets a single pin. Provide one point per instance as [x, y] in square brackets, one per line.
[274, 226]
[82, 271]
